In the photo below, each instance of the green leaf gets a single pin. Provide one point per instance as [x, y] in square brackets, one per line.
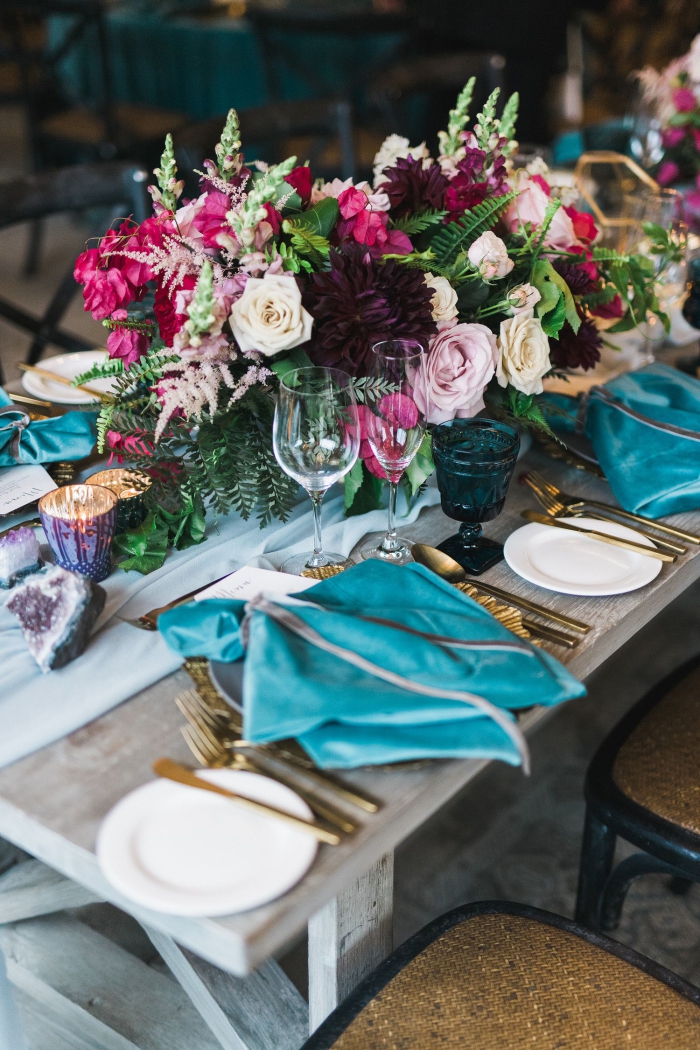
[320, 219]
[553, 322]
[145, 546]
[296, 358]
[543, 275]
[472, 294]
[353, 483]
[422, 465]
[368, 496]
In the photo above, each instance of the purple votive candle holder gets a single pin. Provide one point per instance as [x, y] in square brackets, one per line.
[80, 522]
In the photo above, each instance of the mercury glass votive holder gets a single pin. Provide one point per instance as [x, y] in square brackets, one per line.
[474, 462]
[80, 522]
[130, 487]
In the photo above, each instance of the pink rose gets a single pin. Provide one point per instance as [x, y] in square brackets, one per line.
[684, 100]
[128, 344]
[106, 291]
[672, 137]
[530, 204]
[668, 172]
[460, 362]
[561, 234]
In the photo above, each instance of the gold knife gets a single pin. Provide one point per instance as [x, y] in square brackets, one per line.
[533, 607]
[651, 523]
[602, 537]
[46, 373]
[170, 770]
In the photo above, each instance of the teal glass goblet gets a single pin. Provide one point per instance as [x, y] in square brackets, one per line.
[474, 462]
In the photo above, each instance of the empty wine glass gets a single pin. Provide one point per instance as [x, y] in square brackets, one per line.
[316, 440]
[395, 427]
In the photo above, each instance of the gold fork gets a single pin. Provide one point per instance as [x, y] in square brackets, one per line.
[215, 756]
[556, 509]
[575, 502]
[226, 730]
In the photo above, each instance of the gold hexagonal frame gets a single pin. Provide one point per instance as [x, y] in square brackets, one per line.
[625, 169]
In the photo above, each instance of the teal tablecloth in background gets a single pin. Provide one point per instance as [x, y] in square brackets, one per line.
[203, 66]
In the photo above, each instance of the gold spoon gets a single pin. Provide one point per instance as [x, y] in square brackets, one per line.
[449, 569]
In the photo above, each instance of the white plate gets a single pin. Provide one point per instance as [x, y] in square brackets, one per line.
[572, 564]
[175, 849]
[68, 366]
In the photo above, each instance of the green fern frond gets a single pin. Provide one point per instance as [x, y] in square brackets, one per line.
[105, 370]
[457, 236]
[413, 224]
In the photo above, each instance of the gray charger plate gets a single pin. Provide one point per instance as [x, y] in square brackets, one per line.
[228, 679]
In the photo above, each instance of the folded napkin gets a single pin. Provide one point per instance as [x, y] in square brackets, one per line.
[71, 436]
[377, 664]
[645, 431]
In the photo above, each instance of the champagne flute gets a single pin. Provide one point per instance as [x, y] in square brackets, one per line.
[316, 440]
[395, 428]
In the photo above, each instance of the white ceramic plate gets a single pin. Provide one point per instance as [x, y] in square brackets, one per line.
[175, 849]
[68, 366]
[572, 564]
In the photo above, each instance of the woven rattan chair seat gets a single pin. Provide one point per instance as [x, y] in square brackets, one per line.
[504, 982]
[658, 766]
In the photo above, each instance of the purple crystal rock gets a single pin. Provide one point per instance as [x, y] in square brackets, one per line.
[57, 610]
[19, 555]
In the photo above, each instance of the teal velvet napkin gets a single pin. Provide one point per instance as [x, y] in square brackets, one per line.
[70, 437]
[347, 668]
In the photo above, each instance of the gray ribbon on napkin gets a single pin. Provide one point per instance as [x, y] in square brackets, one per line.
[283, 615]
[18, 425]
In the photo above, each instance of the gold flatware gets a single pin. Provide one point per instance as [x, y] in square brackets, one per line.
[452, 571]
[46, 373]
[600, 537]
[227, 725]
[25, 399]
[30, 523]
[170, 770]
[556, 509]
[149, 620]
[577, 501]
[215, 755]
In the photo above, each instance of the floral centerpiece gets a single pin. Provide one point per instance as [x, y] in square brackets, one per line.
[211, 300]
[674, 97]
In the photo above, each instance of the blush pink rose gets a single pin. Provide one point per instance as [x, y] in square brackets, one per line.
[530, 204]
[561, 234]
[210, 219]
[460, 362]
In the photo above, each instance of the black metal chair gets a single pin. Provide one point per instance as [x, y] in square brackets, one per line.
[644, 785]
[438, 78]
[34, 197]
[62, 129]
[502, 976]
[316, 130]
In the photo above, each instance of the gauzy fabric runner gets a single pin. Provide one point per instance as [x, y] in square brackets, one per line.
[36, 709]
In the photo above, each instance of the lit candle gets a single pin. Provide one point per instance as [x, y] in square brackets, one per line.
[79, 522]
[130, 487]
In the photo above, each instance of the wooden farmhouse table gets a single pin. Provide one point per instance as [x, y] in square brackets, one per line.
[52, 803]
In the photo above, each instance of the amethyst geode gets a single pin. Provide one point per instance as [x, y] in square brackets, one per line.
[19, 555]
[56, 610]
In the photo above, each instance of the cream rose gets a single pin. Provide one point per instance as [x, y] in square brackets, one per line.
[269, 316]
[489, 255]
[444, 298]
[523, 353]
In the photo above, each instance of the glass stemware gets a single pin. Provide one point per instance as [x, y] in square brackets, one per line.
[474, 462]
[394, 426]
[316, 440]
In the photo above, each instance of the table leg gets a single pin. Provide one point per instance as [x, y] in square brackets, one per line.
[348, 938]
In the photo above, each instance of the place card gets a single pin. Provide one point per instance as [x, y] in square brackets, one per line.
[249, 582]
[23, 484]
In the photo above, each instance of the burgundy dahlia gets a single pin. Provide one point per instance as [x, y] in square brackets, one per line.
[359, 302]
[412, 188]
[576, 349]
